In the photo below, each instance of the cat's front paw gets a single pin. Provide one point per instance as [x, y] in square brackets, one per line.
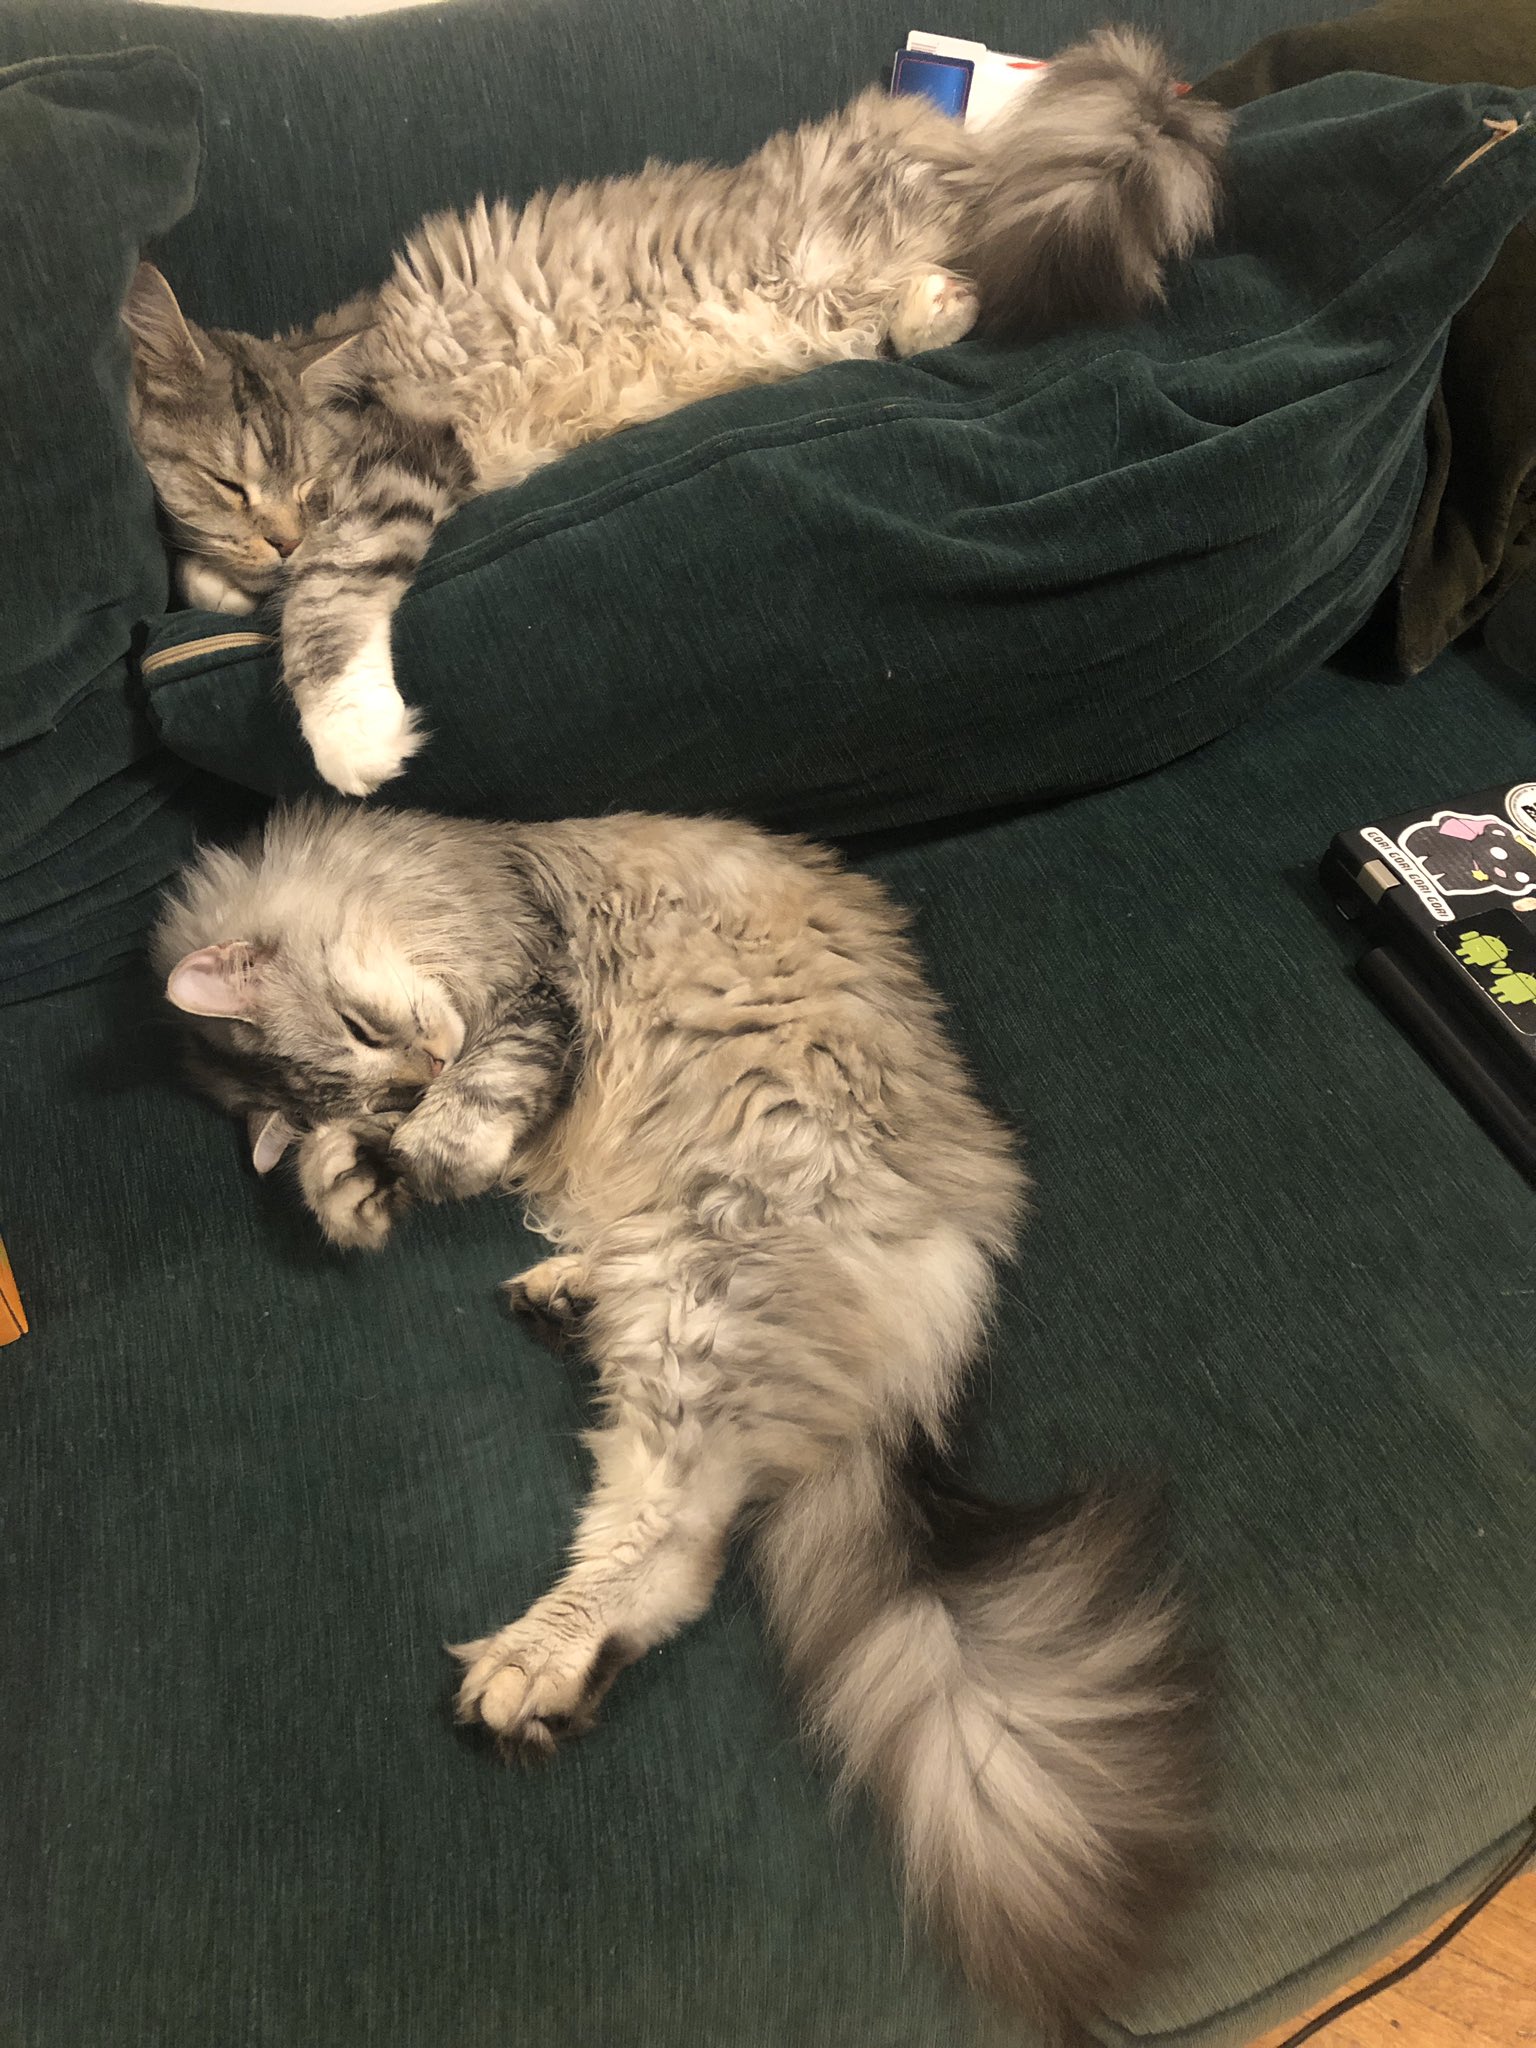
[360, 731]
[208, 589]
[540, 1680]
[351, 1186]
[448, 1148]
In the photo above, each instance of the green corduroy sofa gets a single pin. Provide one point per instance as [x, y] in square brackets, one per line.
[1047, 638]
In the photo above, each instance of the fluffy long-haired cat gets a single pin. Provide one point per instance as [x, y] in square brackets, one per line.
[323, 464]
[708, 1061]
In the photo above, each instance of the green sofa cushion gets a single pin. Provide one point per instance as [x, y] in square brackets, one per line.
[1475, 529]
[97, 155]
[897, 592]
[324, 142]
[250, 1486]
[245, 1487]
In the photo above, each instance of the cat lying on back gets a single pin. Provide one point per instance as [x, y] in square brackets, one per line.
[708, 1061]
[321, 465]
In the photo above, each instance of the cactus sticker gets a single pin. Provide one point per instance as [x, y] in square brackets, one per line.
[1498, 950]
[1469, 853]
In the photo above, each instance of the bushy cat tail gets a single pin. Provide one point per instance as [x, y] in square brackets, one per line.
[1012, 1693]
[1087, 186]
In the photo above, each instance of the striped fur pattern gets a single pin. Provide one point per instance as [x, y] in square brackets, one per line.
[509, 335]
[708, 1061]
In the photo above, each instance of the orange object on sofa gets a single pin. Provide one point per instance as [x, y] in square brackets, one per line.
[13, 1319]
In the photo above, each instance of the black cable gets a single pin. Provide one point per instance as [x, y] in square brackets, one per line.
[1511, 1867]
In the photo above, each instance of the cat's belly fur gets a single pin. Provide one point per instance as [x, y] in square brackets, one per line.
[533, 331]
[512, 418]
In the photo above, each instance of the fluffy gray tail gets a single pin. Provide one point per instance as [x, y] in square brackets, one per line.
[1088, 185]
[1012, 1693]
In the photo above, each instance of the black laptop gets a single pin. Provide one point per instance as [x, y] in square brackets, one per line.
[1446, 897]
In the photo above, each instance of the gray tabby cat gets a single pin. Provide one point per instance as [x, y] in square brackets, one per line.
[507, 336]
[708, 1061]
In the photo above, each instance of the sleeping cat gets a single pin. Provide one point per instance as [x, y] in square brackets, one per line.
[321, 466]
[708, 1061]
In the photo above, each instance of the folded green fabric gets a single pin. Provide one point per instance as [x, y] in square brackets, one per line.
[1475, 529]
[891, 592]
[97, 155]
[250, 1485]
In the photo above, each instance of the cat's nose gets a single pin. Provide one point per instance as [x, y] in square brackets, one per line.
[435, 1064]
[284, 544]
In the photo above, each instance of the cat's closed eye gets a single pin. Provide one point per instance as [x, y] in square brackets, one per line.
[362, 1034]
[231, 484]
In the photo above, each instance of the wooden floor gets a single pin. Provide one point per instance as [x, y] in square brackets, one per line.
[1479, 1992]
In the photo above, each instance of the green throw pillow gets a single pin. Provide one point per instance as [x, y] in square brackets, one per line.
[891, 592]
[97, 155]
[1475, 529]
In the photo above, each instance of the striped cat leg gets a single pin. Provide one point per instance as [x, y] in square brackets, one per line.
[462, 1137]
[346, 580]
[349, 1184]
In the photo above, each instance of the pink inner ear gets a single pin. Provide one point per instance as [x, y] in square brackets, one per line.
[215, 981]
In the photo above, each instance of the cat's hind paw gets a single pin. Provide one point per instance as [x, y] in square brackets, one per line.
[549, 1297]
[361, 732]
[532, 1687]
[933, 312]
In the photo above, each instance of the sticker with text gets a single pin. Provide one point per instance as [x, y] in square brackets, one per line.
[1405, 865]
[1472, 853]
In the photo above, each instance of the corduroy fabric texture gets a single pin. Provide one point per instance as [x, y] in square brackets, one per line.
[97, 156]
[1474, 533]
[249, 1487]
[900, 592]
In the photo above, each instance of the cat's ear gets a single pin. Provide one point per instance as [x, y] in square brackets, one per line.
[218, 981]
[327, 365]
[271, 1134]
[159, 329]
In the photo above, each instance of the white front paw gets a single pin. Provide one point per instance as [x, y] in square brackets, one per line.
[360, 732]
[209, 589]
